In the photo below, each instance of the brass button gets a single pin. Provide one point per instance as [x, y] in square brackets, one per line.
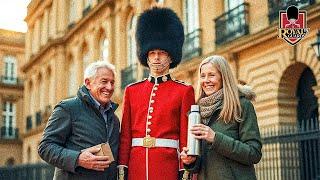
[164, 78]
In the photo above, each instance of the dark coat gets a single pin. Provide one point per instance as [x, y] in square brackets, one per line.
[76, 124]
[235, 150]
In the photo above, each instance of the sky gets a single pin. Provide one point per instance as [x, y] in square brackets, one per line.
[12, 14]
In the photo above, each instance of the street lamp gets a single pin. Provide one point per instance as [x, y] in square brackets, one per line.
[316, 45]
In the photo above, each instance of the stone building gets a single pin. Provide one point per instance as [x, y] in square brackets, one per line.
[65, 35]
[11, 96]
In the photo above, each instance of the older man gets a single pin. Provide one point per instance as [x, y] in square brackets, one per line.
[79, 123]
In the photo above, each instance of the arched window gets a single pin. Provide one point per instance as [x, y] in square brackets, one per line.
[85, 57]
[10, 70]
[131, 41]
[104, 49]
[72, 84]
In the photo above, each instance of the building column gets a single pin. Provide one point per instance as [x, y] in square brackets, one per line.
[36, 35]
[93, 45]
[60, 74]
[28, 44]
[46, 76]
[46, 25]
[1, 111]
[110, 31]
[37, 93]
[120, 52]
[76, 54]
[26, 105]
[62, 15]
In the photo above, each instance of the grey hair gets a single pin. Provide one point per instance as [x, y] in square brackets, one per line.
[92, 68]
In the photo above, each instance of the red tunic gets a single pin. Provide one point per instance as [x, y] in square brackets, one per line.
[159, 110]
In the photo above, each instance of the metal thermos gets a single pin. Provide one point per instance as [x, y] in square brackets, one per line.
[193, 143]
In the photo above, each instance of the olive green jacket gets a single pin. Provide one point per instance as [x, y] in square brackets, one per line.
[235, 150]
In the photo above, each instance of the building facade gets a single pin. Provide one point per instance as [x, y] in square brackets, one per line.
[11, 96]
[64, 36]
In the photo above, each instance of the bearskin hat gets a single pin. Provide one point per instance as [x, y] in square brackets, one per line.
[159, 28]
[292, 12]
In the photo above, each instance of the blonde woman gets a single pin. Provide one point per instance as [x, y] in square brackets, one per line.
[231, 143]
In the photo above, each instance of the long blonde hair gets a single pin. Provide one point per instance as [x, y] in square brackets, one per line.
[231, 110]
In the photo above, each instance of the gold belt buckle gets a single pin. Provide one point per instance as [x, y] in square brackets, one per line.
[149, 142]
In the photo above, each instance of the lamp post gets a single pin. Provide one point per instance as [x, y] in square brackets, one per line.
[316, 45]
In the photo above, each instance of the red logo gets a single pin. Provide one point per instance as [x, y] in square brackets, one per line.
[292, 25]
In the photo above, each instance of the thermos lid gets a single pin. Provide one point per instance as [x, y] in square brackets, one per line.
[195, 108]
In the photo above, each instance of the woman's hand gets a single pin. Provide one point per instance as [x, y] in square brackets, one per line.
[185, 158]
[202, 131]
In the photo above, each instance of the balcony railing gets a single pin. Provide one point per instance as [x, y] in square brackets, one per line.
[9, 132]
[191, 46]
[276, 5]
[232, 24]
[7, 80]
[27, 171]
[38, 118]
[29, 123]
[128, 75]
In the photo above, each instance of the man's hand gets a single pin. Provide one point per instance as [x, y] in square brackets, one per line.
[185, 158]
[89, 161]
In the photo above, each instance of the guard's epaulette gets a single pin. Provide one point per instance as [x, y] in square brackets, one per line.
[181, 82]
[137, 82]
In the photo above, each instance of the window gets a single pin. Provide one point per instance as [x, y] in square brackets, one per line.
[10, 70]
[72, 11]
[86, 59]
[131, 40]
[191, 16]
[160, 1]
[191, 46]
[9, 119]
[233, 23]
[104, 49]
[72, 86]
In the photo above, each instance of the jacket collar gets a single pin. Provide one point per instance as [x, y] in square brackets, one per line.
[159, 79]
[83, 94]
